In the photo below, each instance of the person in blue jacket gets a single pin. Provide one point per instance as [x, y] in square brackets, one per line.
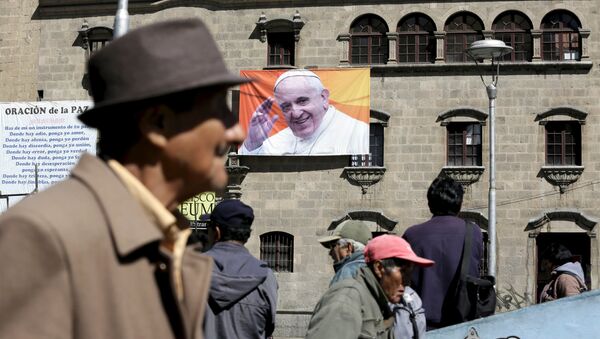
[346, 246]
[243, 291]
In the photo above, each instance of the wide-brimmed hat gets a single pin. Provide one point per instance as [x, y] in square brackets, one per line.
[392, 246]
[153, 61]
[349, 229]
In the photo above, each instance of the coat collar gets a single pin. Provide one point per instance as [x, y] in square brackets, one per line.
[130, 226]
[369, 280]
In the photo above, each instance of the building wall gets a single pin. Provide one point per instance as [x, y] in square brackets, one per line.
[19, 50]
[302, 196]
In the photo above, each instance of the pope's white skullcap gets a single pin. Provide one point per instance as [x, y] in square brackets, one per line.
[295, 73]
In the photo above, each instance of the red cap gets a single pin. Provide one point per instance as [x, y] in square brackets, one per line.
[392, 246]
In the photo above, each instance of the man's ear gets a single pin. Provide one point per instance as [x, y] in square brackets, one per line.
[217, 233]
[325, 97]
[378, 269]
[152, 125]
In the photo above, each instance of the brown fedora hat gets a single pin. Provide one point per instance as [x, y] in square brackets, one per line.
[153, 61]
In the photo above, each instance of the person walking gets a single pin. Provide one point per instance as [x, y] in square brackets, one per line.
[243, 291]
[359, 307]
[346, 246]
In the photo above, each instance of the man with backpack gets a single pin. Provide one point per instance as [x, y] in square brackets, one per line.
[441, 239]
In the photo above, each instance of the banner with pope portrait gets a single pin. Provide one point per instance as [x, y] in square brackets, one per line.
[305, 112]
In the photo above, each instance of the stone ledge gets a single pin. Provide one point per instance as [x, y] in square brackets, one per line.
[561, 176]
[464, 175]
[465, 68]
[364, 176]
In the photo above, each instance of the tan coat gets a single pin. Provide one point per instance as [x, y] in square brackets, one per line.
[81, 260]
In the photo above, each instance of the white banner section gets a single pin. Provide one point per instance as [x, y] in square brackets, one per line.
[39, 144]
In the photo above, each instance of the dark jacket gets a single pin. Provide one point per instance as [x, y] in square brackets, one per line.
[440, 239]
[82, 261]
[243, 295]
[351, 309]
[348, 267]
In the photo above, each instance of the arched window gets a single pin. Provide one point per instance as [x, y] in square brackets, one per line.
[461, 30]
[416, 42]
[514, 28]
[368, 40]
[277, 250]
[561, 40]
[98, 37]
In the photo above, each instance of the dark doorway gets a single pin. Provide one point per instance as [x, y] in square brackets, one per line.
[577, 243]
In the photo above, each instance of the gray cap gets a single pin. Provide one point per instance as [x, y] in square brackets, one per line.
[349, 229]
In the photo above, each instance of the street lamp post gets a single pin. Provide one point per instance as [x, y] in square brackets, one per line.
[121, 19]
[494, 50]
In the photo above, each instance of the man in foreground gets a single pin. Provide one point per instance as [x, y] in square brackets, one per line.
[103, 254]
[442, 239]
[346, 246]
[314, 126]
[243, 291]
[358, 308]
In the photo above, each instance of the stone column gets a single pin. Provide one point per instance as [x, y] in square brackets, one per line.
[536, 35]
[585, 34]
[440, 55]
[393, 48]
[236, 174]
[344, 40]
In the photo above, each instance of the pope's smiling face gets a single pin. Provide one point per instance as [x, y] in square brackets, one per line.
[303, 105]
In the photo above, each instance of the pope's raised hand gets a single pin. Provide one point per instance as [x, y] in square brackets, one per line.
[261, 123]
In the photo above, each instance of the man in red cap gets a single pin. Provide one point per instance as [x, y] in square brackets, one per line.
[359, 307]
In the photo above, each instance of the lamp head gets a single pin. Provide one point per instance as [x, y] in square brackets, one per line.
[488, 49]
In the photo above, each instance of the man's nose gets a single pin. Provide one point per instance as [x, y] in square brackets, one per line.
[235, 135]
[295, 110]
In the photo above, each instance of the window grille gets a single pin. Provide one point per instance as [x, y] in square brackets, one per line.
[277, 250]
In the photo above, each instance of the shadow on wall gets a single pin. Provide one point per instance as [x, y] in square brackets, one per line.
[275, 164]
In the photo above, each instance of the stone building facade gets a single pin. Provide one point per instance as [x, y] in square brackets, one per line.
[547, 112]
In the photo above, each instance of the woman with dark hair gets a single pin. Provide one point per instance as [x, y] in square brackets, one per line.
[567, 275]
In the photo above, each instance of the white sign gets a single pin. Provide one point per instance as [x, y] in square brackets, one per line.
[39, 144]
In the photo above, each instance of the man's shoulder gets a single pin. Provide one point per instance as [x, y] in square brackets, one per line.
[346, 289]
[341, 118]
[418, 228]
[57, 200]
